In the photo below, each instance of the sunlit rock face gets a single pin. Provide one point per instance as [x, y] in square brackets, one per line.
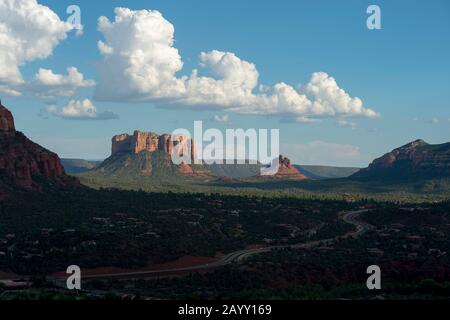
[149, 141]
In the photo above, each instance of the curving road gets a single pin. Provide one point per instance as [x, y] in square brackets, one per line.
[351, 217]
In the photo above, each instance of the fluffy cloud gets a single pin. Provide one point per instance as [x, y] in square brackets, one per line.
[47, 84]
[140, 63]
[28, 31]
[80, 110]
[221, 118]
[343, 123]
[8, 91]
[325, 153]
[301, 119]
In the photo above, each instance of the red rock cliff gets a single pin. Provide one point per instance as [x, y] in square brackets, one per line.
[415, 160]
[6, 120]
[148, 141]
[24, 163]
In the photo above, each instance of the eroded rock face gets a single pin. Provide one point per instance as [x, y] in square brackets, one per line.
[24, 163]
[417, 159]
[166, 143]
[149, 141]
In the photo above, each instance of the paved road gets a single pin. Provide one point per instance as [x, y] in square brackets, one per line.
[351, 217]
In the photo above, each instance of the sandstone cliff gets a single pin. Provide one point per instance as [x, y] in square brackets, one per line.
[25, 164]
[415, 160]
[149, 141]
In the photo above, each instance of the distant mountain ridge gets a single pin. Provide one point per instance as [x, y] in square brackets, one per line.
[416, 160]
[79, 165]
[326, 172]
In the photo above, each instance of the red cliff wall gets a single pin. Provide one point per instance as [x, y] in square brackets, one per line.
[148, 141]
[22, 160]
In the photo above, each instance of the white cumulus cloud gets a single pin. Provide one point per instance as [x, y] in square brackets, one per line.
[140, 63]
[79, 110]
[47, 84]
[28, 31]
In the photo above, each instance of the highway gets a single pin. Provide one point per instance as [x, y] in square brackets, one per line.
[350, 217]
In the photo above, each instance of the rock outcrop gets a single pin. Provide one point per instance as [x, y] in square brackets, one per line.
[152, 143]
[149, 141]
[6, 120]
[415, 160]
[25, 164]
[287, 171]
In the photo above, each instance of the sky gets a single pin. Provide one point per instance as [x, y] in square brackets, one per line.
[340, 93]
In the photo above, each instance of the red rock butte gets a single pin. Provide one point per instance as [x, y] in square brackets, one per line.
[288, 171]
[149, 141]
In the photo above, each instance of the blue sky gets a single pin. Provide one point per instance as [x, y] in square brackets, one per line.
[401, 72]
